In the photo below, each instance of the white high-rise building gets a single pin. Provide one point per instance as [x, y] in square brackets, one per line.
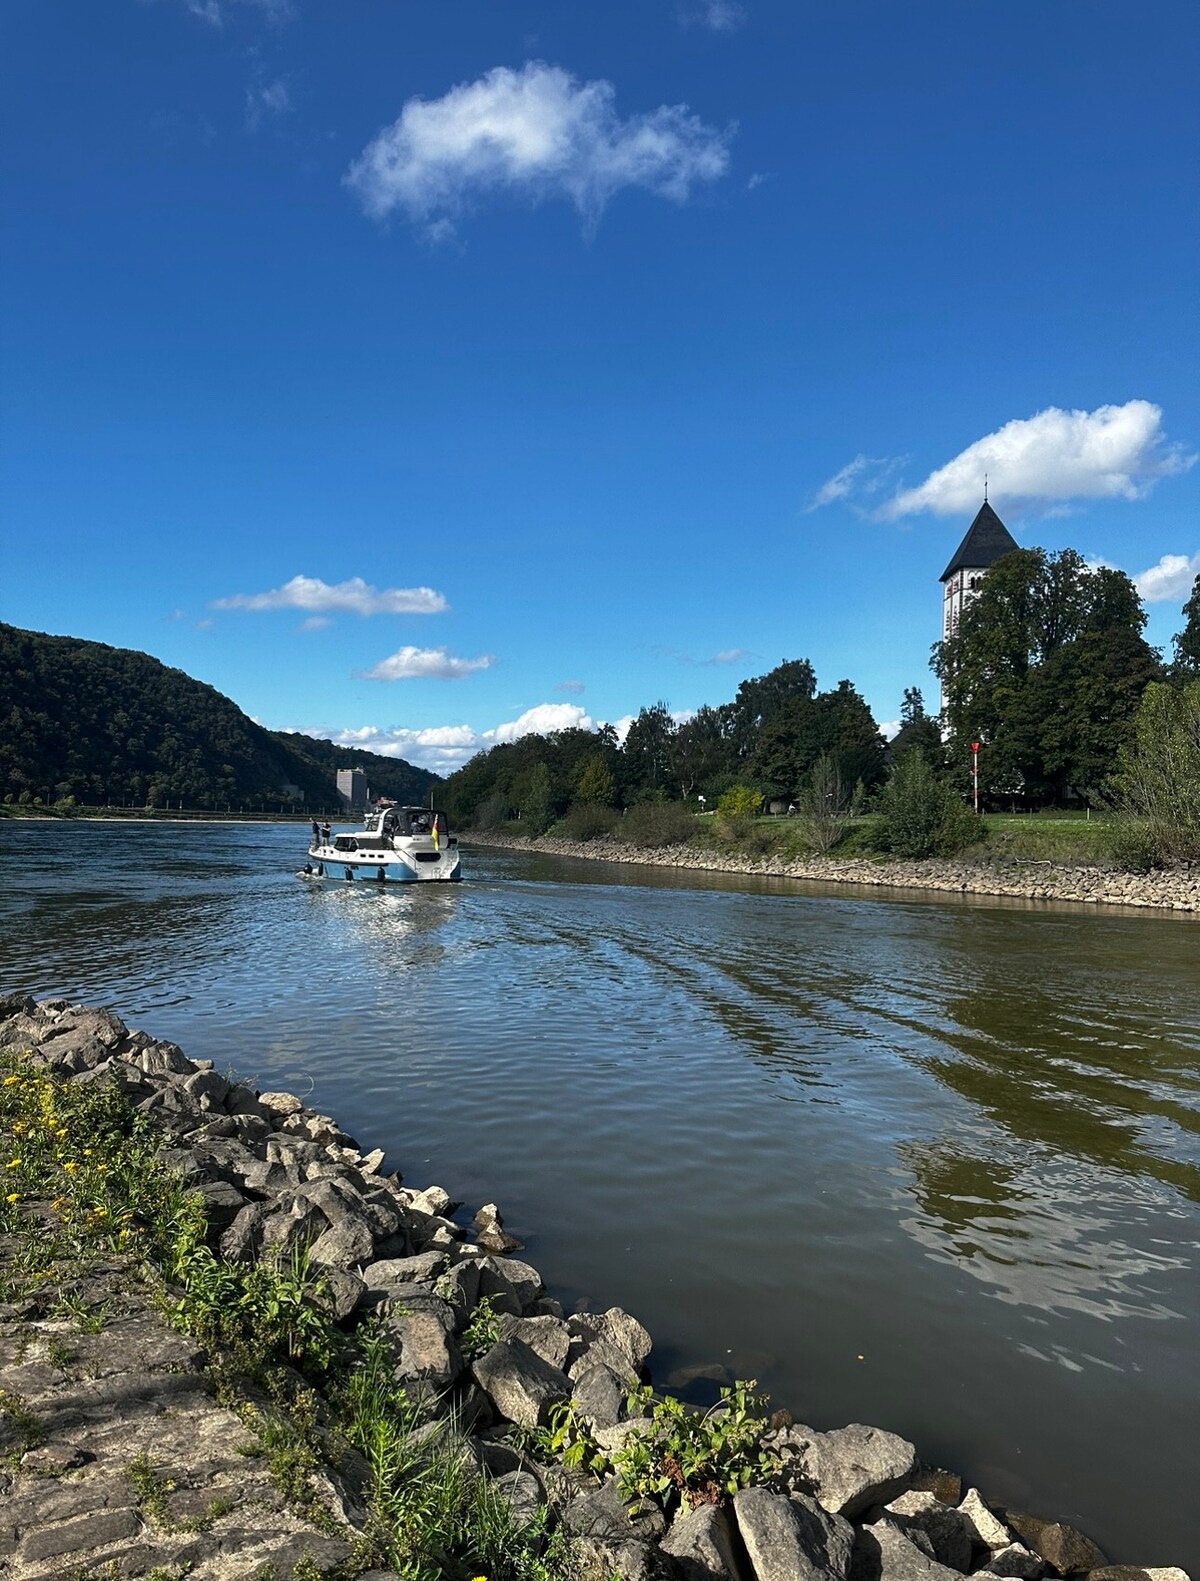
[352, 789]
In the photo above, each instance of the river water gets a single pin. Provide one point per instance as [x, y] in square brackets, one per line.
[928, 1164]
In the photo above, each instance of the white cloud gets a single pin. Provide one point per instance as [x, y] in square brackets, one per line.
[1115, 452]
[570, 686]
[727, 656]
[436, 664]
[1170, 581]
[890, 729]
[860, 478]
[355, 597]
[444, 748]
[214, 12]
[315, 623]
[264, 99]
[541, 721]
[621, 726]
[537, 133]
[721, 16]
[441, 748]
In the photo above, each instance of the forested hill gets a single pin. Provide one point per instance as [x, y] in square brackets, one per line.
[109, 725]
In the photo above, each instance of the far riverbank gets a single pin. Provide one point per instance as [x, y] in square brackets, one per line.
[1177, 890]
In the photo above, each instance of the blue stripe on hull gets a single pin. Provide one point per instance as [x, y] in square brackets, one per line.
[392, 873]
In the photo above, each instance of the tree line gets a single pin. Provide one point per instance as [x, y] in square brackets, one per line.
[1046, 671]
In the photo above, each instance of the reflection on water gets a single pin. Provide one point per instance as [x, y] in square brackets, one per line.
[915, 1161]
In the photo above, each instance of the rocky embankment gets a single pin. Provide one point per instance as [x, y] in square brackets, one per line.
[1174, 890]
[118, 1460]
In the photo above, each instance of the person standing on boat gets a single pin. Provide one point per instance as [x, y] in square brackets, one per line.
[316, 832]
[325, 832]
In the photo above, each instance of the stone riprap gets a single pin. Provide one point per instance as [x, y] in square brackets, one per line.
[117, 1459]
[1177, 889]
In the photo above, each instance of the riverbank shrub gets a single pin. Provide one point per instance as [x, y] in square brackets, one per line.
[694, 1457]
[919, 815]
[653, 825]
[822, 812]
[1156, 791]
[586, 821]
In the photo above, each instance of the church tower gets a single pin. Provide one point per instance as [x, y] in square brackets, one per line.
[986, 540]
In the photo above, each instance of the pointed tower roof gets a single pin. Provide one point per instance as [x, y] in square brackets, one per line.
[986, 540]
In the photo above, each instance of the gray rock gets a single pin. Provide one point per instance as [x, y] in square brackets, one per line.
[1068, 1550]
[424, 1344]
[945, 1527]
[701, 1542]
[506, 1277]
[599, 1395]
[346, 1245]
[66, 1538]
[422, 1269]
[985, 1528]
[546, 1335]
[521, 1386]
[630, 1560]
[346, 1290]
[280, 1104]
[856, 1467]
[497, 1240]
[882, 1552]
[242, 1241]
[615, 1327]
[460, 1287]
[222, 1203]
[207, 1089]
[433, 1201]
[598, 1512]
[1015, 1560]
[792, 1539]
[523, 1492]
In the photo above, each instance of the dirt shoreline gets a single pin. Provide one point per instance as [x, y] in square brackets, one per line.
[1176, 891]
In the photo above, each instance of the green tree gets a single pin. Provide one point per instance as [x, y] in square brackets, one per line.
[1187, 642]
[1157, 787]
[822, 809]
[919, 815]
[918, 731]
[1005, 686]
[537, 806]
[647, 752]
[595, 786]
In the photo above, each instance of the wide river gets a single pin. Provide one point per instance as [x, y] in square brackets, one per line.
[931, 1165]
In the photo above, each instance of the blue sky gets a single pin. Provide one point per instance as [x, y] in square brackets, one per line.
[420, 373]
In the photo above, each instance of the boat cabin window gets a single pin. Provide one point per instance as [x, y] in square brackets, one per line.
[345, 842]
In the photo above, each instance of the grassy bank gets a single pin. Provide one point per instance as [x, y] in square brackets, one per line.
[1070, 839]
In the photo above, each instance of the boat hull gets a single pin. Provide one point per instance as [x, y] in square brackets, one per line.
[391, 870]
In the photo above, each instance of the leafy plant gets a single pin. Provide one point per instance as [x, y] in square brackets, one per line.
[569, 1439]
[699, 1457]
[482, 1330]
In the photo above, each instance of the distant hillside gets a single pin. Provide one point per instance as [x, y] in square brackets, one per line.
[111, 725]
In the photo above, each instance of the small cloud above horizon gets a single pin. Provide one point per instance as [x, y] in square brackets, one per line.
[538, 133]
[436, 664]
[570, 686]
[1048, 462]
[718, 16]
[264, 99]
[1170, 581]
[354, 597]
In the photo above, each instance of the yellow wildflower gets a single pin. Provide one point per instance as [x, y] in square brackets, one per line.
[70, 1166]
[13, 1163]
[8, 1080]
[12, 1197]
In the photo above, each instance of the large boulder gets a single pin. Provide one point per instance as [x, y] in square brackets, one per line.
[854, 1467]
[792, 1539]
[943, 1526]
[421, 1335]
[521, 1386]
[985, 1527]
[882, 1552]
[1068, 1550]
[702, 1544]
